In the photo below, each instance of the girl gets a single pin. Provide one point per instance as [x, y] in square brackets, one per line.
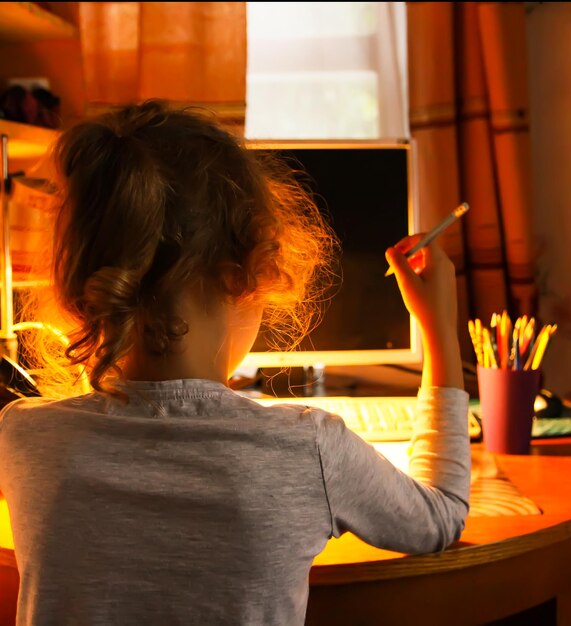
[163, 497]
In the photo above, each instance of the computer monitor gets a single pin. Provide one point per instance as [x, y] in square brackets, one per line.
[367, 189]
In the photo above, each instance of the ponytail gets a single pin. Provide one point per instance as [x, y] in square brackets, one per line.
[114, 212]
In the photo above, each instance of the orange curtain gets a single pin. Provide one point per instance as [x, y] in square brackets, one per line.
[185, 52]
[469, 119]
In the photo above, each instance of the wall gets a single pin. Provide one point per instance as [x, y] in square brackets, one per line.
[549, 59]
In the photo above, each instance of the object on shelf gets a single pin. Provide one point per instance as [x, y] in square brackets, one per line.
[37, 106]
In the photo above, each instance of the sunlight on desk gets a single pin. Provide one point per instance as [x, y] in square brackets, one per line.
[492, 493]
[6, 539]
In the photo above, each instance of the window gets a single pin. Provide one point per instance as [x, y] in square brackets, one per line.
[326, 70]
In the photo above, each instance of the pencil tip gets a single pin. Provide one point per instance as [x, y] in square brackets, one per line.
[389, 272]
[461, 209]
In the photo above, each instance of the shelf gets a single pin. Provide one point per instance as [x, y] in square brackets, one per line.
[26, 141]
[25, 21]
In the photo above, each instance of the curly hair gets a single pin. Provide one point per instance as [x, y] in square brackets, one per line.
[153, 198]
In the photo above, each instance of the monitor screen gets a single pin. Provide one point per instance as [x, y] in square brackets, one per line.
[366, 190]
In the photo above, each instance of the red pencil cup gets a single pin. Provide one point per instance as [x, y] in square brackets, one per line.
[506, 408]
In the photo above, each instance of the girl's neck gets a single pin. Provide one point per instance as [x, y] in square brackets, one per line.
[216, 342]
[139, 365]
[201, 353]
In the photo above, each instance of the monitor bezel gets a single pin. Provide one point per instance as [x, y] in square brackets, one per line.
[321, 358]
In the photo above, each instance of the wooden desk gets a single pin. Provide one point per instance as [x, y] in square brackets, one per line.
[501, 566]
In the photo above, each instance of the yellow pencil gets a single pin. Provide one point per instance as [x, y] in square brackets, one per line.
[504, 339]
[509, 337]
[472, 331]
[489, 350]
[538, 340]
[541, 348]
[529, 360]
[478, 335]
[522, 325]
[479, 340]
[527, 336]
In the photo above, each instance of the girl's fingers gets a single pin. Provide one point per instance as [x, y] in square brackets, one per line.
[405, 244]
[404, 273]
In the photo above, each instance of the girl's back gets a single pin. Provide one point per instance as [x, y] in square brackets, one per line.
[203, 507]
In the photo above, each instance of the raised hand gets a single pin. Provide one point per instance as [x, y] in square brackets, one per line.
[427, 283]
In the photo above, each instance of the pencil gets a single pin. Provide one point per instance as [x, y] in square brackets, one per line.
[536, 346]
[480, 354]
[505, 355]
[432, 234]
[489, 350]
[472, 331]
[551, 328]
[527, 336]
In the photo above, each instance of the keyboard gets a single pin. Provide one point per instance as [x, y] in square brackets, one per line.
[375, 419]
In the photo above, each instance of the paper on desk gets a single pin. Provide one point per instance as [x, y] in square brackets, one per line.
[397, 452]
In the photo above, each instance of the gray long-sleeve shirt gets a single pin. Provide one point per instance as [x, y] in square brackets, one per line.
[194, 505]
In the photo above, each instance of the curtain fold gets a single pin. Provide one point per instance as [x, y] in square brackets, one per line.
[502, 27]
[432, 100]
[468, 112]
[483, 225]
[184, 52]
